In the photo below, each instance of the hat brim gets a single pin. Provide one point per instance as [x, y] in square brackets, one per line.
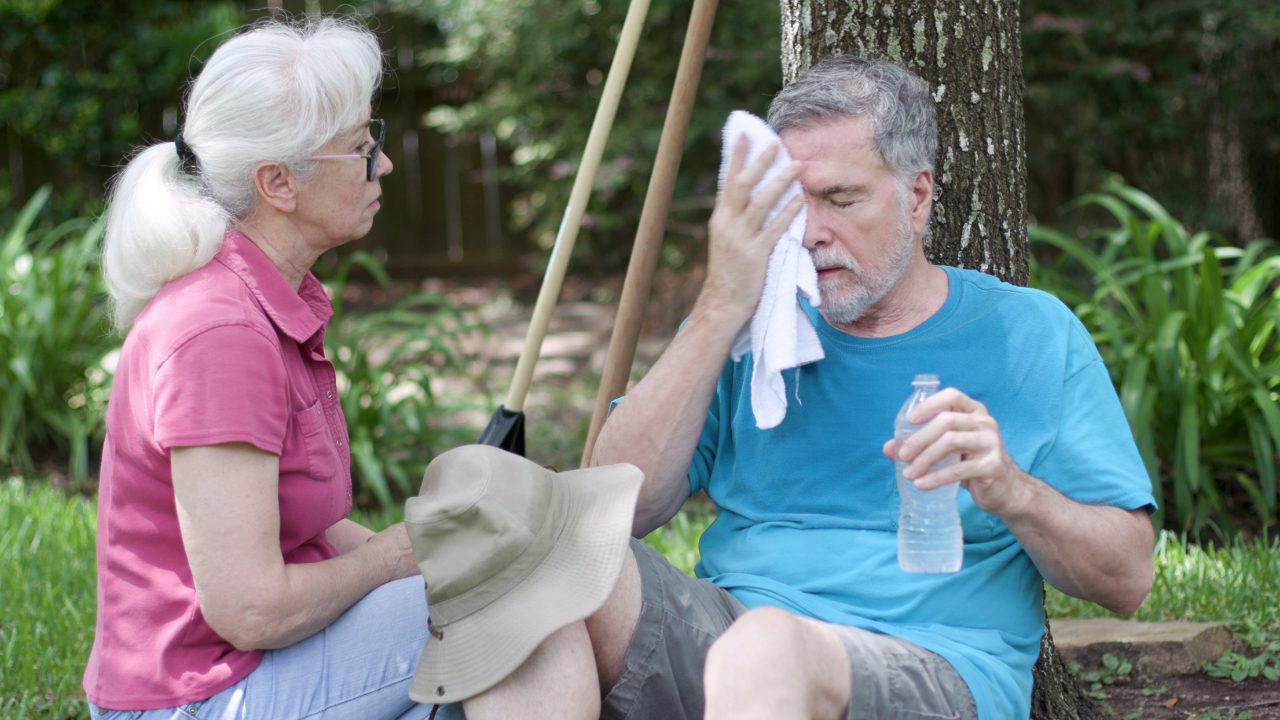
[572, 582]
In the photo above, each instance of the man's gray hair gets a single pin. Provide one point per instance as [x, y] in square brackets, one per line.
[895, 99]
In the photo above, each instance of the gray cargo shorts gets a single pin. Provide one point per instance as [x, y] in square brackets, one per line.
[680, 617]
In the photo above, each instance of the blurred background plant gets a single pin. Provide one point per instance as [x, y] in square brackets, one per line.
[385, 359]
[1178, 96]
[532, 72]
[83, 82]
[1187, 325]
[55, 339]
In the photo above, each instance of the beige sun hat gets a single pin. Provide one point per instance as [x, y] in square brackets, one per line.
[511, 552]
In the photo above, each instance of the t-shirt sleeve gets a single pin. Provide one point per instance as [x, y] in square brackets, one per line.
[718, 416]
[224, 384]
[1094, 458]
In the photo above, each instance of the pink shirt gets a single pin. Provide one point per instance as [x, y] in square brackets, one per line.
[227, 353]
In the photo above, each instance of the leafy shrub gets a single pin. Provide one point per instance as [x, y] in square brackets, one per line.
[1187, 326]
[54, 337]
[385, 360]
[532, 72]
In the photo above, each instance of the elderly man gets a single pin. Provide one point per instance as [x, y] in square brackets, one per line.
[801, 609]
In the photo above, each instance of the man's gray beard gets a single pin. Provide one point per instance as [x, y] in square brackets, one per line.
[861, 296]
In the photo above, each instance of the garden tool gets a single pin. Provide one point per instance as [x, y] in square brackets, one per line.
[506, 427]
[653, 218]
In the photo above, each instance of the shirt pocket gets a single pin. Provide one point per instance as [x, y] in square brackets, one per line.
[317, 443]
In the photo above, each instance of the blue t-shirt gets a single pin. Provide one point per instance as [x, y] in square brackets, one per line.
[807, 512]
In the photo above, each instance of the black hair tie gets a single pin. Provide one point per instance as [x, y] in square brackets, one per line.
[186, 157]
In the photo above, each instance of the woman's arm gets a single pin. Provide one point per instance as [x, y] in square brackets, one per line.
[229, 514]
[347, 535]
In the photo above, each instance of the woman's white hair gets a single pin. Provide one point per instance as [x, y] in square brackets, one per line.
[278, 91]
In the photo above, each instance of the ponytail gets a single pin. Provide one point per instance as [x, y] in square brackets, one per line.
[160, 226]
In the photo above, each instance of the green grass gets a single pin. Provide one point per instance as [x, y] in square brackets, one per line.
[47, 589]
[46, 600]
[1235, 583]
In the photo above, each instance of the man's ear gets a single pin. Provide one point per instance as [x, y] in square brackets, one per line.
[920, 200]
[276, 186]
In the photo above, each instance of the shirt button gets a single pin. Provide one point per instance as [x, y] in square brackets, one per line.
[339, 442]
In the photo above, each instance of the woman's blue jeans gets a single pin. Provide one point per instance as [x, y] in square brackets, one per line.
[359, 667]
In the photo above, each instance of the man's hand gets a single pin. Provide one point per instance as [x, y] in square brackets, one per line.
[955, 423]
[1096, 552]
[740, 240]
[657, 428]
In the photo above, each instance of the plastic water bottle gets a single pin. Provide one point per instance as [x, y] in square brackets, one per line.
[930, 539]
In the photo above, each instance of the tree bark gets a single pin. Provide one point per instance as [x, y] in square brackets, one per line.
[970, 54]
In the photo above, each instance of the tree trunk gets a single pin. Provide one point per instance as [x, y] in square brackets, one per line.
[970, 54]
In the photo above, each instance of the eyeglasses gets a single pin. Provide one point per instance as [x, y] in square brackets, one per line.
[378, 128]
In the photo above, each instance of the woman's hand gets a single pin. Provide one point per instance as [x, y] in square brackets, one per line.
[392, 549]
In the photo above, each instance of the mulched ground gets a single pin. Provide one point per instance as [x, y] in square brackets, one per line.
[1192, 696]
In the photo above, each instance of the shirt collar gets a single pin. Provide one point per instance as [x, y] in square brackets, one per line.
[298, 314]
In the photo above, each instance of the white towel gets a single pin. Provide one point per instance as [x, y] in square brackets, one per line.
[781, 335]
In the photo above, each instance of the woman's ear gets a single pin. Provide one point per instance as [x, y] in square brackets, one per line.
[276, 186]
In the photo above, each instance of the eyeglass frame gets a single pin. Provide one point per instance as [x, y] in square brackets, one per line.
[372, 157]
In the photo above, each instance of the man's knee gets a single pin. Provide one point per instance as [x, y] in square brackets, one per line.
[769, 628]
[778, 656]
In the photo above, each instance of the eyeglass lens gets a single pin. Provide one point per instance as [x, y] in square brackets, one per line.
[378, 128]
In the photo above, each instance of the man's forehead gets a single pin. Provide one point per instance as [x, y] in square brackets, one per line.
[849, 131]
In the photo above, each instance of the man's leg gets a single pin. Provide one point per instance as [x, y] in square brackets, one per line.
[557, 681]
[772, 664]
[679, 618]
[569, 672]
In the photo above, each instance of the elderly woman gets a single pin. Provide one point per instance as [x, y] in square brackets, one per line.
[230, 582]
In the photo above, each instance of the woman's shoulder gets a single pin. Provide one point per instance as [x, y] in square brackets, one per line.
[209, 298]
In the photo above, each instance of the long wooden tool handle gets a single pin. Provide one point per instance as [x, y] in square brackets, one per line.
[653, 219]
[568, 233]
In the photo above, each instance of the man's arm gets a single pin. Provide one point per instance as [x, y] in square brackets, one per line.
[657, 427]
[1098, 553]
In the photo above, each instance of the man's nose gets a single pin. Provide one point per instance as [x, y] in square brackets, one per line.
[815, 233]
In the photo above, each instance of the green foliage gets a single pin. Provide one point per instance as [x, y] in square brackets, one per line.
[1122, 86]
[1199, 582]
[532, 71]
[1115, 670]
[385, 360]
[1187, 326]
[1262, 659]
[46, 600]
[54, 338]
[678, 539]
[81, 82]
[1216, 714]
